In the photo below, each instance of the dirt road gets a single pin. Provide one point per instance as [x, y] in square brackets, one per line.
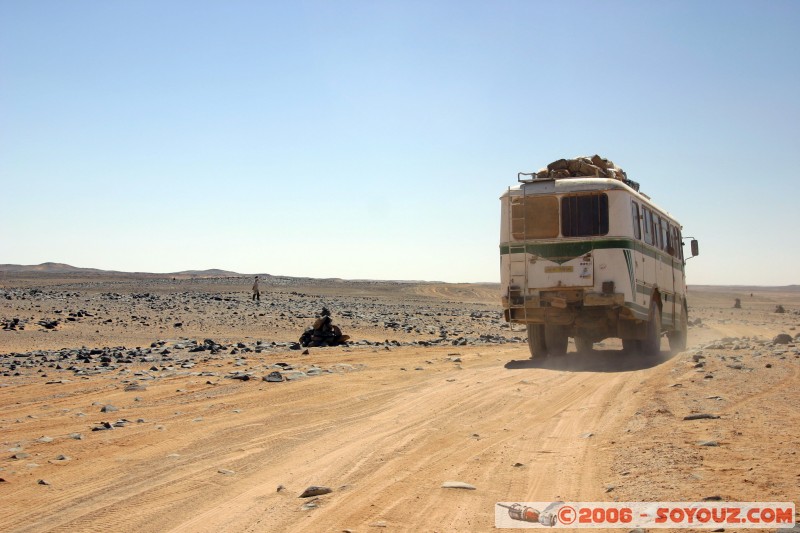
[384, 438]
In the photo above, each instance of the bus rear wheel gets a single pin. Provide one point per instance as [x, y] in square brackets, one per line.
[583, 345]
[651, 345]
[631, 346]
[556, 339]
[536, 341]
[677, 338]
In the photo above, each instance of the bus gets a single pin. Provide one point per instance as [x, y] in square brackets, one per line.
[591, 258]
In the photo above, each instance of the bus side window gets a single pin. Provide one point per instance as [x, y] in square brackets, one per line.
[656, 232]
[648, 226]
[664, 234]
[670, 239]
[678, 243]
[637, 228]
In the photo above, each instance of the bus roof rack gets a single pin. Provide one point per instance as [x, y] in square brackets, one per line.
[579, 167]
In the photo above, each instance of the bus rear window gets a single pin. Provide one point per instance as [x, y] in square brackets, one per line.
[584, 216]
[534, 217]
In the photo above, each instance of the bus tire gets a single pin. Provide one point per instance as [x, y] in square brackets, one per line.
[583, 345]
[556, 339]
[536, 341]
[651, 345]
[631, 346]
[677, 338]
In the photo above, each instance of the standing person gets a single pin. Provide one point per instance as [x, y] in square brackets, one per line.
[256, 291]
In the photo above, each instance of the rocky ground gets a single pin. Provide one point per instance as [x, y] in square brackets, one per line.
[181, 404]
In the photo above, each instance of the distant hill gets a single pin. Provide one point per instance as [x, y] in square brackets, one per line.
[210, 273]
[61, 268]
[55, 268]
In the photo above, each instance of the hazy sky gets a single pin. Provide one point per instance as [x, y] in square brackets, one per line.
[372, 139]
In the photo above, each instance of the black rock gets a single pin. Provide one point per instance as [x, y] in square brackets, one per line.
[273, 377]
[700, 416]
[315, 491]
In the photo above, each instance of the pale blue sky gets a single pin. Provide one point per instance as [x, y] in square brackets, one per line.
[372, 139]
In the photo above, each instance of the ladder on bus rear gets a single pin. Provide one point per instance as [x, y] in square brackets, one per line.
[517, 256]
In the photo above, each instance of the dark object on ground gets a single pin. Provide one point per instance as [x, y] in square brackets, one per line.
[323, 333]
[315, 491]
[701, 416]
[782, 338]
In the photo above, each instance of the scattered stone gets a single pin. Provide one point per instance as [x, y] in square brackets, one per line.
[43, 482]
[315, 491]
[108, 409]
[273, 377]
[782, 338]
[313, 504]
[226, 472]
[457, 485]
[700, 416]
[709, 443]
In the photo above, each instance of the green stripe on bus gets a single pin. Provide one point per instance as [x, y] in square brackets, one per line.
[560, 252]
[631, 275]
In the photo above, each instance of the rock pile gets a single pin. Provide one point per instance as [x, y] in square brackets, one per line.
[324, 332]
[594, 166]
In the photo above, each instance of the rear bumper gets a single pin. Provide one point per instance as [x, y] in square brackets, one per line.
[564, 307]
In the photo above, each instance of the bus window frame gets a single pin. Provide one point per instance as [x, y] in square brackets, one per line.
[636, 218]
[602, 224]
[647, 226]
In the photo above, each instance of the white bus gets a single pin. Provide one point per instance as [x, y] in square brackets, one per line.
[591, 258]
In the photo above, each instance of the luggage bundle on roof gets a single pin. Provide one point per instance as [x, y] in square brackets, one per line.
[594, 167]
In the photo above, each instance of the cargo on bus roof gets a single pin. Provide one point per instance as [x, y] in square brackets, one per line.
[580, 167]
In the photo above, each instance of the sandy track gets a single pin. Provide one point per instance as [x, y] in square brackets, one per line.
[383, 438]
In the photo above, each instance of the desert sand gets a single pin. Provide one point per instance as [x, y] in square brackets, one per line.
[134, 403]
